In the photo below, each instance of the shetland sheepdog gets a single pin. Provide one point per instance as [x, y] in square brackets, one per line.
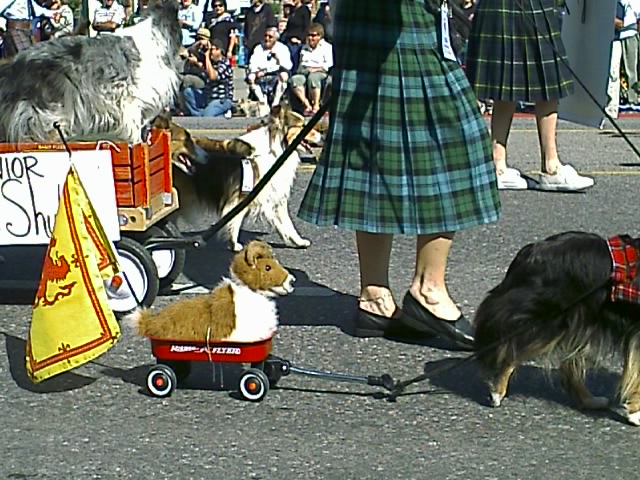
[104, 88]
[570, 301]
[217, 183]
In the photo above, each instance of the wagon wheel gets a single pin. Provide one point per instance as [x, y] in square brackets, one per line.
[253, 385]
[141, 273]
[161, 381]
[182, 368]
[270, 370]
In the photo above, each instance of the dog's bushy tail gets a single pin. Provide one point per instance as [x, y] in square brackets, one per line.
[138, 321]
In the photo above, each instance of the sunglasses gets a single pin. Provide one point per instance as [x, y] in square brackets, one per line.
[268, 35]
[218, 5]
[313, 34]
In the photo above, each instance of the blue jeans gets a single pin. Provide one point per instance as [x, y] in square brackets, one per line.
[198, 104]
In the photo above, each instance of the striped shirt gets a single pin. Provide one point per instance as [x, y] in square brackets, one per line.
[222, 88]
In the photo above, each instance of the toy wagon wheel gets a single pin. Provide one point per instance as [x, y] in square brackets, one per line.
[273, 374]
[161, 381]
[254, 385]
[182, 368]
[141, 271]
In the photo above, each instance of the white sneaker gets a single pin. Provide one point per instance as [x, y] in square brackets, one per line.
[511, 179]
[566, 179]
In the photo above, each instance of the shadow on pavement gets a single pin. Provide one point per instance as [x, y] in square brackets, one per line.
[311, 304]
[16, 348]
[466, 379]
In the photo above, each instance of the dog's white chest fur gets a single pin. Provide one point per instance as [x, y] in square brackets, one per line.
[256, 314]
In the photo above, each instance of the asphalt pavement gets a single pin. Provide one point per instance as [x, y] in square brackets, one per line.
[97, 422]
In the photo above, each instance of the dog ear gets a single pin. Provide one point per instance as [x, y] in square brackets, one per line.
[256, 250]
[275, 110]
[162, 121]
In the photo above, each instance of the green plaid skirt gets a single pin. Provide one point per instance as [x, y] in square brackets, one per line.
[510, 55]
[407, 150]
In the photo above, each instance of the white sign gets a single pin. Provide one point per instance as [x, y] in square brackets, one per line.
[30, 187]
[587, 33]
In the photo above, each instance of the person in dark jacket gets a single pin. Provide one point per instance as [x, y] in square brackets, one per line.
[257, 19]
[323, 17]
[296, 31]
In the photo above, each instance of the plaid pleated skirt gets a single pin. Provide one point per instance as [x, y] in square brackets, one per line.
[407, 150]
[515, 51]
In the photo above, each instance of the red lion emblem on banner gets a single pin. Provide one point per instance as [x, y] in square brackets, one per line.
[54, 271]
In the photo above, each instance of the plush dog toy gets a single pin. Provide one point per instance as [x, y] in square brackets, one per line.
[239, 309]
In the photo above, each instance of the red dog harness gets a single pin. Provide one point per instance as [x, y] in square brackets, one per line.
[625, 258]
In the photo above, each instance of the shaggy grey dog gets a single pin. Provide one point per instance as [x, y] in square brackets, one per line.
[104, 88]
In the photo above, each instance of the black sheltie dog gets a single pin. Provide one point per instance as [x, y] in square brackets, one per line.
[556, 304]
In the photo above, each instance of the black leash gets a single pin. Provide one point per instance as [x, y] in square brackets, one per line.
[295, 143]
[400, 386]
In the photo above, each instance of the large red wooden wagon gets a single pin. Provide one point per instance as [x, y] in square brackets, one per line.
[145, 198]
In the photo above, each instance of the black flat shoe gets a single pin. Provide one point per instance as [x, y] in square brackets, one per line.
[369, 324]
[458, 332]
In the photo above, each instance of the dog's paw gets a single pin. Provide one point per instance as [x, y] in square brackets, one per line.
[300, 243]
[496, 399]
[633, 418]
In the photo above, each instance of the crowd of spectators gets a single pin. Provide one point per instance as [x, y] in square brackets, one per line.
[256, 39]
[286, 55]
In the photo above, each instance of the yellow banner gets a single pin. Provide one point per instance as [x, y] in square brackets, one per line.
[72, 322]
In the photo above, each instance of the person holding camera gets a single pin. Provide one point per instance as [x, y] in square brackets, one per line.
[215, 97]
[269, 68]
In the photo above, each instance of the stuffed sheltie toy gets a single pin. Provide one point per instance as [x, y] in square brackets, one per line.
[239, 309]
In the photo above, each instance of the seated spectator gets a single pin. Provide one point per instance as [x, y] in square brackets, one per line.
[62, 22]
[190, 19]
[297, 24]
[269, 67]
[223, 27]
[215, 98]
[316, 59]
[109, 17]
[193, 74]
